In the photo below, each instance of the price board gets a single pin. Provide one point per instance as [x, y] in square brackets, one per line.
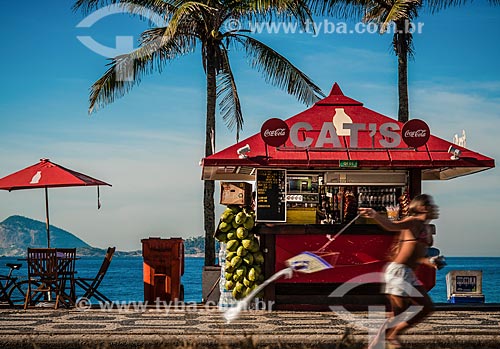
[271, 195]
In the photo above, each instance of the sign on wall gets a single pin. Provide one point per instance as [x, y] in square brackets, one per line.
[275, 132]
[415, 133]
[271, 195]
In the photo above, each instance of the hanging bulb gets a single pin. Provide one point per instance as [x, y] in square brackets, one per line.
[339, 119]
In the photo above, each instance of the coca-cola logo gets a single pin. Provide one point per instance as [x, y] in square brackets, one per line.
[418, 133]
[415, 133]
[274, 132]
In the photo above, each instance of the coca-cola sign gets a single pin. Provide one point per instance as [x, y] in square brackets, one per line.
[274, 132]
[415, 133]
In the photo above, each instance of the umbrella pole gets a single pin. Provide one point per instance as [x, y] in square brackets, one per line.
[47, 215]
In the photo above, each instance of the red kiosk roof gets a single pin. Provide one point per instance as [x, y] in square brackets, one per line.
[432, 158]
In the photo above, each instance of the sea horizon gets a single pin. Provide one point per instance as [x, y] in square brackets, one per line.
[124, 279]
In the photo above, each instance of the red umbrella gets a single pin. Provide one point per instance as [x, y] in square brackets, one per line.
[46, 175]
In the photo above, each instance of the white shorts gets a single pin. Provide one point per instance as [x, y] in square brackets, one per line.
[400, 280]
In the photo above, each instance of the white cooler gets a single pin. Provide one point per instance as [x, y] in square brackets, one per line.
[465, 286]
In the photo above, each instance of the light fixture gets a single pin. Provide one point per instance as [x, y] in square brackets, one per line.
[242, 152]
[455, 152]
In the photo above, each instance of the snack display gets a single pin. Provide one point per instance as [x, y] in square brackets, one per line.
[404, 204]
[350, 205]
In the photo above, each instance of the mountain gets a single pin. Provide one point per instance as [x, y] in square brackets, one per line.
[195, 246]
[17, 233]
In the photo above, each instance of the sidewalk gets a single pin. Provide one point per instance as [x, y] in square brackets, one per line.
[204, 327]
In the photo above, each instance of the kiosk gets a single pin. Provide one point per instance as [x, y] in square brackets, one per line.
[312, 172]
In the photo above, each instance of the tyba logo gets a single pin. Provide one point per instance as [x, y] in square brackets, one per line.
[375, 321]
[123, 44]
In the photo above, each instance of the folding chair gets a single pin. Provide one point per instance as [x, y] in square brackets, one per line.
[90, 285]
[42, 269]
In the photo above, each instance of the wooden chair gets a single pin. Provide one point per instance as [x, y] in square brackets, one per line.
[66, 259]
[42, 269]
[90, 285]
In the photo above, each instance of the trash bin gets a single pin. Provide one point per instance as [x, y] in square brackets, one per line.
[163, 266]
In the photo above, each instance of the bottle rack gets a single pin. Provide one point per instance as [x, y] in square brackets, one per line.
[339, 204]
[377, 197]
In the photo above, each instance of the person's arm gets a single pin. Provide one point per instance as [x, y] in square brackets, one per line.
[426, 261]
[429, 231]
[385, 222]
[429, 240]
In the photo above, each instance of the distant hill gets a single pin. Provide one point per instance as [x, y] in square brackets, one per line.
[17, 233]
[195, 246]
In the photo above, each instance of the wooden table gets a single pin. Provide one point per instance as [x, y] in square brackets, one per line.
[52, 271]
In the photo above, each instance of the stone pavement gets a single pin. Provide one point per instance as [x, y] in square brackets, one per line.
[204, 327]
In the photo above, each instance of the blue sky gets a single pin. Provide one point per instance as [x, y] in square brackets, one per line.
[148, 144]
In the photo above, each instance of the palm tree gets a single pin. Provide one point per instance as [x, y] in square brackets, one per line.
[384, 12]
[207, 23]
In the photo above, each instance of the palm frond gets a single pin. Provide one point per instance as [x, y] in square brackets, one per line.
[278, 9]
[278, 71]
[87, 6]
[227, 94]
[402, 44]
[126, 71]
[151, 9]
[190, 11]
[140, 7]
[401, 10]
[348, 9]
[434, 6]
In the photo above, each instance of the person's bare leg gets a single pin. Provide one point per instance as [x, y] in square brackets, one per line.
[425, 301]
[398, 305]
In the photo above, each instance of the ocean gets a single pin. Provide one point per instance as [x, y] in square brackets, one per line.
[123, 281]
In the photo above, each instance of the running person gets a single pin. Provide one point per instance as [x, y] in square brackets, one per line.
[414, 239]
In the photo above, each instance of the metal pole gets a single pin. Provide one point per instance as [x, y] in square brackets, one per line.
[340, 232]
[47, 216]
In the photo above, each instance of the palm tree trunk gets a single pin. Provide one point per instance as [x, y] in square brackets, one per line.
[403, 111]
[401, 42]
[209, 186]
